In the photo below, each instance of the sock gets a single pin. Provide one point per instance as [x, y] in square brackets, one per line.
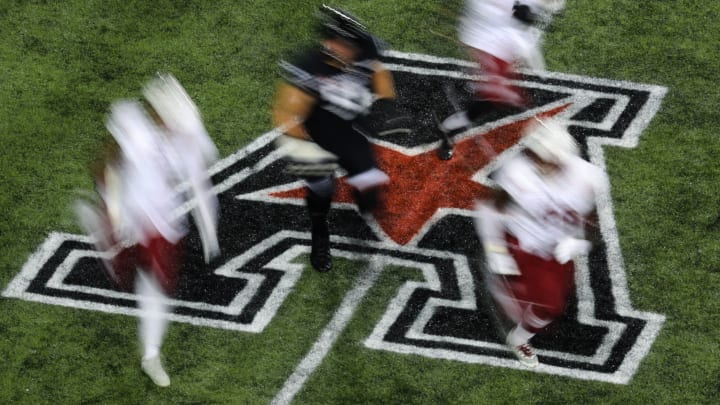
[150, 352]
[519, 336]
[455, 121]
[533, 322]
[153, 323]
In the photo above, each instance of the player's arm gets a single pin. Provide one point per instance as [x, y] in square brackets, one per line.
[291, 108]
[106, 173]
[387, 116]
[109, 156]
[383, 83]
[501, 199]
[490, 227]
[525, 12]
[576, 245]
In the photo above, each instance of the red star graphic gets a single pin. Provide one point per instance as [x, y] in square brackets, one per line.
[422, 184]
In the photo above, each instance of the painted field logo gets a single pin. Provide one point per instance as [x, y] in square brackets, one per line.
[427, 226]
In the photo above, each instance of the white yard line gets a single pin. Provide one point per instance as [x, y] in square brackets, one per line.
[329, 335]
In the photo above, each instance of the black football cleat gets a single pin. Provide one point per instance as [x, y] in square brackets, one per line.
[320, 257]
[445, 151]
[368, 200]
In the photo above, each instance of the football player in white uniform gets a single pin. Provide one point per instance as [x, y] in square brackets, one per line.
[158, 147]
[500, 36]
[534, 227]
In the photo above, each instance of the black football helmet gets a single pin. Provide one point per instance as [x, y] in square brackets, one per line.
[337, 23]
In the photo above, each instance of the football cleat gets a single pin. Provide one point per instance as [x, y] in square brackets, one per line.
[447, 129]
[368, 200]
[318, 207]
[154, 369]
[445, 151]
[525, 354]
[320, 257]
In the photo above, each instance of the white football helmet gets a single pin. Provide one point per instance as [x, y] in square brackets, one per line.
[550, 140]
[172, 103]
[179, 113]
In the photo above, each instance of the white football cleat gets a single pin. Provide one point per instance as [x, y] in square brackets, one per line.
[154, 369]
[525, 354]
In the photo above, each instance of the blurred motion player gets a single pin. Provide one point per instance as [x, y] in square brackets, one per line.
[139, 222]
[320, 106]
[500, 36]
[533, 228]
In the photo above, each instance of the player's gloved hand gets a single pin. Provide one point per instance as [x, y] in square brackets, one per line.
[499, 261]
[302, 150]
[570, 248]
[523, 13]
[305, 158]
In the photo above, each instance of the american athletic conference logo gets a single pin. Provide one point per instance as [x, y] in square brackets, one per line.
[428, 227]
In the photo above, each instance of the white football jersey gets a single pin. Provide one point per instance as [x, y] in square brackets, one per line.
[489, 25]
[153, 164]
[548, 207]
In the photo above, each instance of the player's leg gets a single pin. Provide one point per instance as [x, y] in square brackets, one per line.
[530, 292]
[357, 157]
[549, 291]
[117, 262]
[496, 87]
[318, 200]
[545, 286]
[493, 92]
[152, 326]
[154, 284]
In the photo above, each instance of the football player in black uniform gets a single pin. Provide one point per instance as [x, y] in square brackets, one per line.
[318, 107]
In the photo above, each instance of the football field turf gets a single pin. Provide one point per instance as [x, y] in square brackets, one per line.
[403, 317]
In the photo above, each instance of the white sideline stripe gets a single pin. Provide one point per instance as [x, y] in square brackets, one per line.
[330, 334]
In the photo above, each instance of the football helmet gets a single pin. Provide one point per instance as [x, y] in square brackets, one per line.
[337, 23]
[167, 97]
[550, 140]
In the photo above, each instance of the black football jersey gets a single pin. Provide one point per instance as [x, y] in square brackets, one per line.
[341, 94]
